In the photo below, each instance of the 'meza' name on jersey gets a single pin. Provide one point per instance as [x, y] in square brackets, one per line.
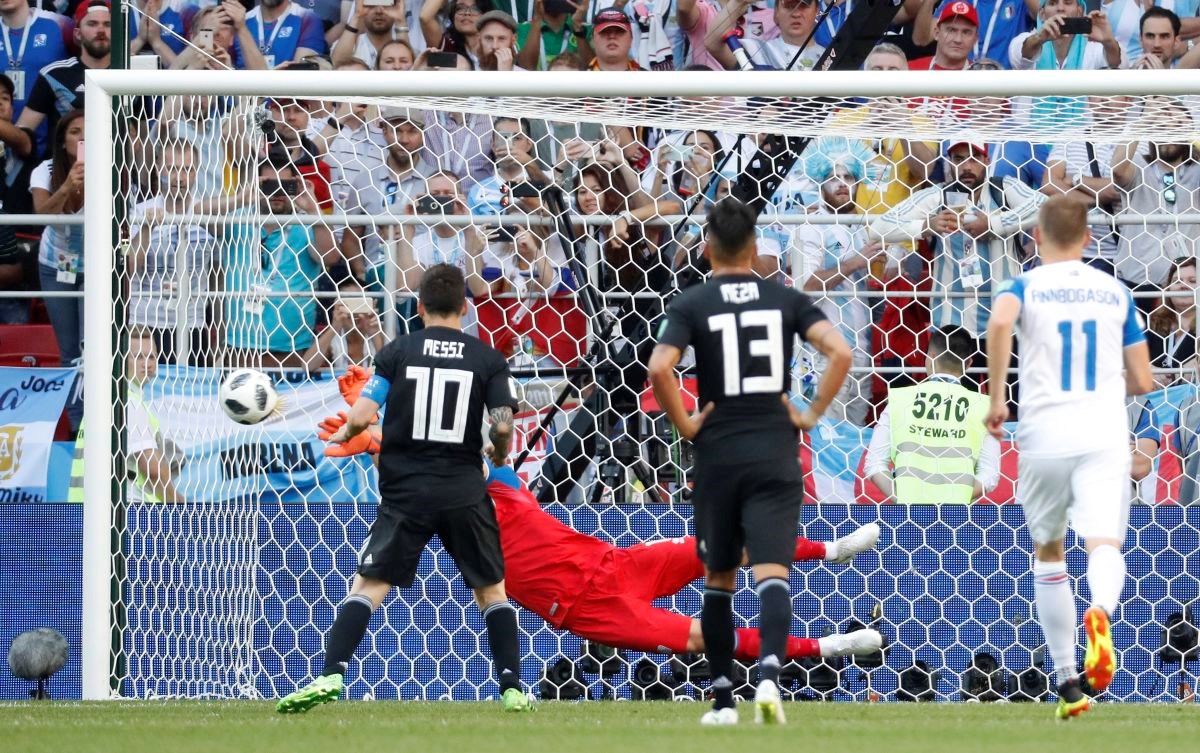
[739, 292]
[442, 349]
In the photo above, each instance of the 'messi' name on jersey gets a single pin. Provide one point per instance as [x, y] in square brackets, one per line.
[739, 292]
[442, 349]
[1077, 295]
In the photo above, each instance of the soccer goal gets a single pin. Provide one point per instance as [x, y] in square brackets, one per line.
[282, 221]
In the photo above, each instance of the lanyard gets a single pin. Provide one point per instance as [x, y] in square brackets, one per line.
[262, 22]
[981, 52]
[16, 62]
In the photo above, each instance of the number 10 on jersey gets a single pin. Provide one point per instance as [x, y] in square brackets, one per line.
[430, 398]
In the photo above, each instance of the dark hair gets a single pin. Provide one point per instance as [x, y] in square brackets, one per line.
[1157, 12]
[63, 161]
[698, 67]
[730, 227]
[443, 290]
[952, 346]
[1163, 320]
[454, 40]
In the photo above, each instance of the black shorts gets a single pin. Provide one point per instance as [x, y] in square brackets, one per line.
[755, 506]
[470, 535]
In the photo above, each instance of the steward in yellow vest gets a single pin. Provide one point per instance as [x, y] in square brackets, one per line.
[146, 462]
[932, 434]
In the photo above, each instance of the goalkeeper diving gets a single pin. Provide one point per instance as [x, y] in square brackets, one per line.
[602, 592]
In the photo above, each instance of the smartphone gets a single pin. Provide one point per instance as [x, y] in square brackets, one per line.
[1080, 25]
[79, 152]
[556, 7]
[504, 234]
[302, 66]
[432, 204]
[442, 60]
[526, 190]
[204, 39]
[378, 3]
[269, 186]
[679, 152]
[359, 305]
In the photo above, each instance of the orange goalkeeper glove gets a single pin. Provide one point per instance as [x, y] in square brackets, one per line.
[352, 382]
[363, 442]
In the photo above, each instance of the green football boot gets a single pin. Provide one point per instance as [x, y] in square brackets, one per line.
[515, 700]
[321, 690]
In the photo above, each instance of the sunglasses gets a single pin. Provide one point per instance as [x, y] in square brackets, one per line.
[988, 66]
[467, 10]
[1169, 194]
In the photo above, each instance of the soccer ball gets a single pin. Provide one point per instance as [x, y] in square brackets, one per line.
[247, 396]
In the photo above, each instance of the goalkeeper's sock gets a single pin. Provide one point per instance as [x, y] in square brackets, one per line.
[503, 640]
[1106, 577]
[774, 621]
[749, 646]
[347, 632]
[1056, 615]
[716, 623]
[810, 550]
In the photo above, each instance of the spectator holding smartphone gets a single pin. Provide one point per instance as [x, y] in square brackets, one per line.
[374, 24]
[213, 32]
[1067, 38]
[353, 335]
[557, 26]
[421, 246]
[460, 33]
[57, 187]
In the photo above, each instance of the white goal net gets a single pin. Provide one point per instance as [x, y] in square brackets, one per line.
[284, 223]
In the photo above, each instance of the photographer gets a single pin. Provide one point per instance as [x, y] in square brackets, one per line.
[422, 246]
[262, 262]
[286, 132]
[557, 26]
[515, 163]
[530, 308]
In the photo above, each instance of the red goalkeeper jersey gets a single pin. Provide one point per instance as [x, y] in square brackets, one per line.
[546, 564]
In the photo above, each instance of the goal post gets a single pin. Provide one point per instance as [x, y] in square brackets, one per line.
[735, 103]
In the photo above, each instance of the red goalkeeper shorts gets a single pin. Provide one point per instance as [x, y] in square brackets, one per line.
[616, 608]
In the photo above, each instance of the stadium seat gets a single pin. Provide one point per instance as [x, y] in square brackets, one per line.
[28, 345]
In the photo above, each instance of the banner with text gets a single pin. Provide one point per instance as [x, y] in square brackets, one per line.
[31, 401]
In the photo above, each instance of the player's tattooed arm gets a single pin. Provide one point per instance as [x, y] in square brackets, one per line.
[500, 433]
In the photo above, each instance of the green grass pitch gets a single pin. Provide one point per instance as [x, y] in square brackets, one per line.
[622, 727]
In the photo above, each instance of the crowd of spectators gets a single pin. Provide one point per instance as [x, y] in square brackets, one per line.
[940, 225]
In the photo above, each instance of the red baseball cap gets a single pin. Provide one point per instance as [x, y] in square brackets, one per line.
[960, 9]
[610, 18]
[978, 147]
[91, 6]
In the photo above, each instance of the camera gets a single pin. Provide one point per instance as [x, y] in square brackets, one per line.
[434, 204]
[442, 60]
[272, 186]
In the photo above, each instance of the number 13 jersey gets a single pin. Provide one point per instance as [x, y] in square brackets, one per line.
[743, 330]
[1074, 325]
[439, 380]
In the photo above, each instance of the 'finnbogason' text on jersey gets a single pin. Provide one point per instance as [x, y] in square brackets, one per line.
[743, 330]
[438, 382]
[1074, 326]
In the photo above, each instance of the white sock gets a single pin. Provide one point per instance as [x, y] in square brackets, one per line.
[1056, 615]
[1106, 577]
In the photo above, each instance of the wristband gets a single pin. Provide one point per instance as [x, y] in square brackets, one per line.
[580, 32]
[350, 29]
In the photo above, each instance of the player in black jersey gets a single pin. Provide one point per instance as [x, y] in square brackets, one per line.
[435, 384]
[748, 484]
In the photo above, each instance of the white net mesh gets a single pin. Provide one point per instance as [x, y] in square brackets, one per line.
[289, 234]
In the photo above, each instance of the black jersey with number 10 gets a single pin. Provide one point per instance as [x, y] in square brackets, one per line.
[441, 380]
[743, 330]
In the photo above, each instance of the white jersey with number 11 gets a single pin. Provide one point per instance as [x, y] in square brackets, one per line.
[1073, 328]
